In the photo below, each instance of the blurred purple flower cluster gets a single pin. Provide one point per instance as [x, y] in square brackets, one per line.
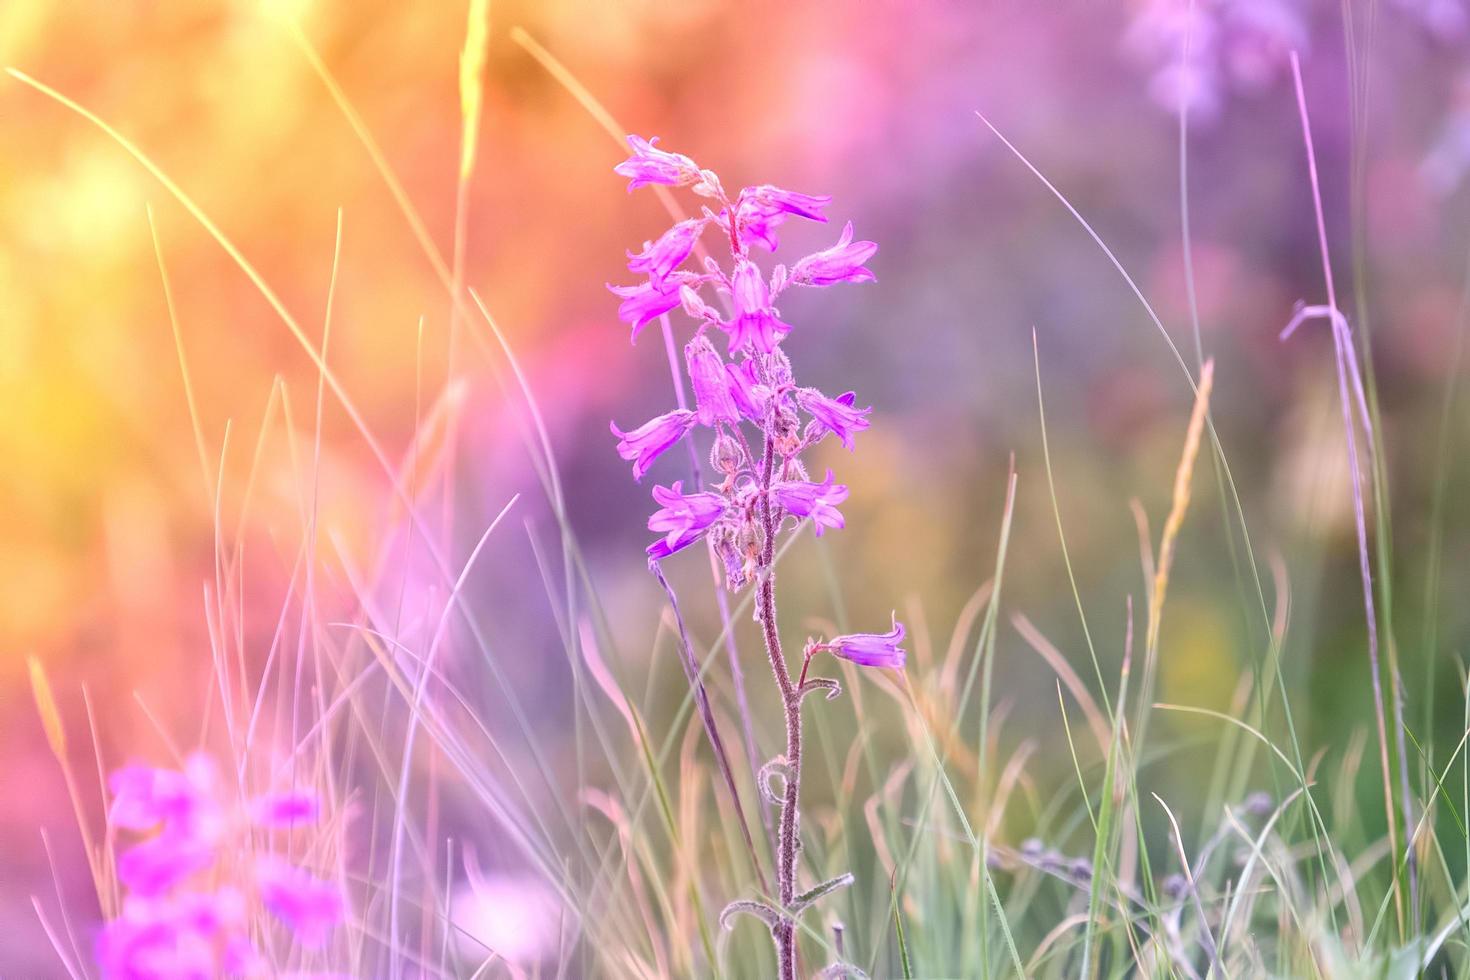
[752, 382]
[1199, 52]
[191, 885]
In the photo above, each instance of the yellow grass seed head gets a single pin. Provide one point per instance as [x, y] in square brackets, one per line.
[472, 81]
[46, 706]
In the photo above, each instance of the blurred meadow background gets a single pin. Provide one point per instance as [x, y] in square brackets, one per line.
[133, 543]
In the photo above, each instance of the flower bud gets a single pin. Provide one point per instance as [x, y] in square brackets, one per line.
[722, 537]
[748, 540]
[778, 369]
[694, 306]
[726, 455]
[784, 427]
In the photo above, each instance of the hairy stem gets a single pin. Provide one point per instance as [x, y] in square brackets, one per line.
[787, 839]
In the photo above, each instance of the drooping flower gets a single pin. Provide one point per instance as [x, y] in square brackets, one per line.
[749, 394]
[712, 397]
[650, 165]
[843, 262]
[815, 500]
[682, 518]
[760, 210]
[836, 415]
[869, 649]
[662, 257]
[647, 442]
[755, 323]
[645, 301]
[807, 206]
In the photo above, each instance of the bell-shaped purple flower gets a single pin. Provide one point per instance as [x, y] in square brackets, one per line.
[815, 500]
[761, 209]
[682, 518]
[665, 255]
[807, 206]
[842, 262]
[869, 649]
[650, 165]
[836, 415]
[647, 442]
[645, 301]
[755, 324]
[757, 222]
[750, 395]
[712, 397]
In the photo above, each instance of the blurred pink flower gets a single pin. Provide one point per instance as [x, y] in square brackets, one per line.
[516, 916]
[310, 906]
[1445, 20]
[1199, 51]
[168, 931]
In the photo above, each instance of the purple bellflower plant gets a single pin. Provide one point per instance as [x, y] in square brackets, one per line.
[751, 404]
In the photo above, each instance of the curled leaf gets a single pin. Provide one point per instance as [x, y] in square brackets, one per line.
[833, 689]
[776, 767]
[800, 903]
[760, 910]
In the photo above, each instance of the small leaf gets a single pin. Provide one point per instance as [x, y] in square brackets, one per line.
[799, 903]
[760, 910]
[833, 689]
